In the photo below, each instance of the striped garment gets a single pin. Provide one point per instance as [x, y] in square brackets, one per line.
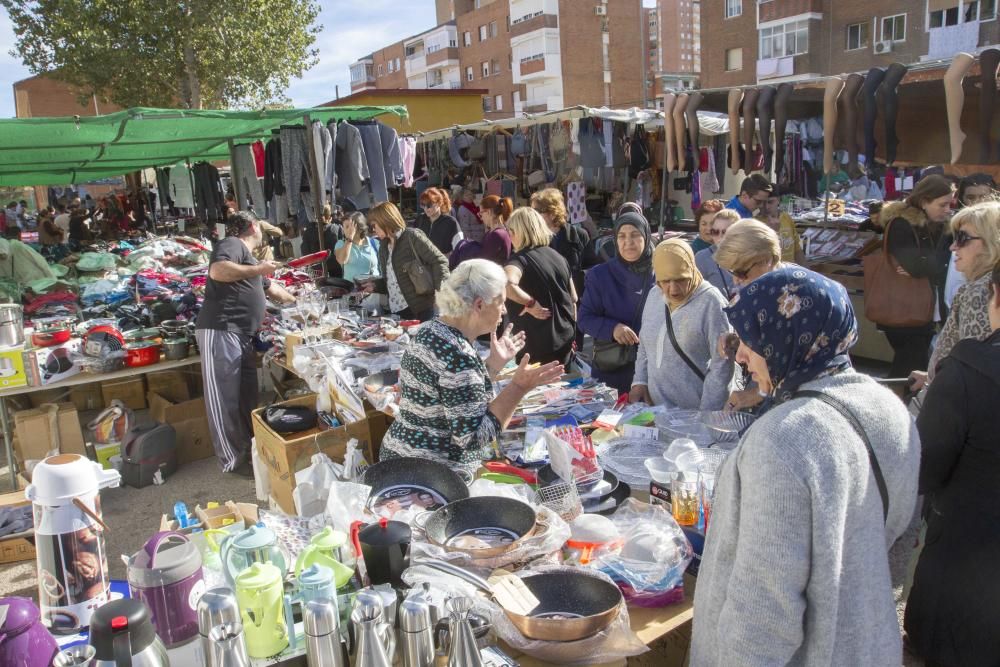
[444, 411]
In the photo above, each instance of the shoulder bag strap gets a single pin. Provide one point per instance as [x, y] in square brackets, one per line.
[856, 425]
[687, 360]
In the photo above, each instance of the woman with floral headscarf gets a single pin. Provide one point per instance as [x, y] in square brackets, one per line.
[795, 568]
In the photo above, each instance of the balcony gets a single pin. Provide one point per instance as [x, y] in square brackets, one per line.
[532, 65]
[773, 68]
[445, 85]
[534, 107]
[442, 56]
[946, 41]
[416, 64]
[533, 22]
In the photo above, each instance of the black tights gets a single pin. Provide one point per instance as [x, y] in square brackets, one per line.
[849, 105]
[911, 350]
[765, 111]
[749, 109]
[781, 99]
[868, 92]
[989, 60]
[890, 108]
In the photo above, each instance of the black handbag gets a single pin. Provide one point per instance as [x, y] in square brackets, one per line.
[610, 355]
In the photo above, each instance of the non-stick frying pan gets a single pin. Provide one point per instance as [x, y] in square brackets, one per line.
[501, 521]
[571, 605]
[414, 473]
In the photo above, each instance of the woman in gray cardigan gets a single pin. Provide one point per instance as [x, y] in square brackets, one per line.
[795, 569]
[683, 370]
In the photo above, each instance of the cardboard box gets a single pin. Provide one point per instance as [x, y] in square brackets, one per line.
[18, 546]
[55, 363]
[171, 385]
[190, 421]
[34, 438]
[12, 372]
[284, 455]
[40, 398]
[130, 391]
[87, 397]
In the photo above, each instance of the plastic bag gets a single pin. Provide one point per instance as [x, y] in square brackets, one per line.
[111, 425]
[312, 485]
[347, 503]
[354, 461]
[650, 566]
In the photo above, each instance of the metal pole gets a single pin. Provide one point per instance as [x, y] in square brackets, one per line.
[8, 445]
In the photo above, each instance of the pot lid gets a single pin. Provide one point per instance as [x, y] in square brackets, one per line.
[385, 533]
[256, 536]
[316, 576]
[141, 345]
[166, 558]
[125, 616]
[17, 614]
[257, 576]
[329, 538]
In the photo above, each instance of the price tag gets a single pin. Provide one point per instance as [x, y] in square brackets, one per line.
[836, 207]
[608, 419]
[641, 432]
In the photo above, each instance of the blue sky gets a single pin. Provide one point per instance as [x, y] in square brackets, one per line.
[350, 30]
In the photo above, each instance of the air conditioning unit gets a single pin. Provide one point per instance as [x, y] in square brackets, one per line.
[601, 10]
[885, 46]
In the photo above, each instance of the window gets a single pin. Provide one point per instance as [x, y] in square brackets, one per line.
[515, 98]
[786, 39]
[495, 67]
[380, 69]
[894, 28]
[498, 103]
[485, 69]
[452, 43]
[467, 38]
[857, 36]
[734, 59]
[388, 67]
[734, 8]
[987, 10]
[487, 104]
[470, 75]
[945, 17]
[482, 33]
[493, 28]
[397, 64]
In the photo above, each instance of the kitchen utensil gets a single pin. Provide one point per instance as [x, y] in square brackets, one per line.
[591, 534]
[727, 426]
[527, 476]
[409, 480]
[140, 335]
[385, 546]
[607, 506]
[166, 575]
[80, 655]
[216, 607]
[481, 629]
[316, 581]
[482, 527]
[571, 605]
[264, 612]
[11, 325]
[256, 544]
[463, 651]
[686, 424]
[326, 548]
[142, 353]
[71, 557]
[321, 623]
[102, 340]
[547, 477]
[24, 641]
[626, 457]
[176, 348]
[123, 636]
[172, 328]
[376, 645]
[416, 633]
[308, 260]
[228, 646]
[50, 336]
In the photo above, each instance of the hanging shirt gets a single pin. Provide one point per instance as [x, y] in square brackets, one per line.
[181, 187]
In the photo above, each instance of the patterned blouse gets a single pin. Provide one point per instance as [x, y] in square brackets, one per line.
[969, 318]
[446, 390]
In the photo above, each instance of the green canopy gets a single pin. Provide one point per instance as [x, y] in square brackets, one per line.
[67, 150]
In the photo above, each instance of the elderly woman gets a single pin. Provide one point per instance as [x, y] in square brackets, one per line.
[405, 258]
[540, 291]
[448, 411]
[795, 569]
[356, 252]
[678, 363]
[717, 276]
[705, 216]
[611, 308]
[952, 612]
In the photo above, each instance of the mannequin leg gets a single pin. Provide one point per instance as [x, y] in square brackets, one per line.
[735, 97]
[749, 110]
[833, 89]
[849, 113]
[693, 126]
[781, 99]
[954, 99]
[890, 108]
[868, 92]
[765, 112]
[680, 135]
[989, 61]
[668, 130]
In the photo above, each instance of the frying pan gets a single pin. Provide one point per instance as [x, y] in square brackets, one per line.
[571, 605]
[480, 516]
[48, 336]
[308, 260]
[418, 472]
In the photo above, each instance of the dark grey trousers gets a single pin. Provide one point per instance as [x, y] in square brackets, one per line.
[229, 372]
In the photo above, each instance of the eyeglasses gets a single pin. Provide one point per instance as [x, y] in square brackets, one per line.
[743, 274]
[718, 232]
[964, 238]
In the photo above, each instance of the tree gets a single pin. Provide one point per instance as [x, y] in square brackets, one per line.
[191, 53]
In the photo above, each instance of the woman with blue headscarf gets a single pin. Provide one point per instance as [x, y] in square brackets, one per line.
[795, 568]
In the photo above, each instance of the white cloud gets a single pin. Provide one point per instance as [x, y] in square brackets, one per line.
[11, 69]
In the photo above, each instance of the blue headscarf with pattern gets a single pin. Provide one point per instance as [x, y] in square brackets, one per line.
[801, 322]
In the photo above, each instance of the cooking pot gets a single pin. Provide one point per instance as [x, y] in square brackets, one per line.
[147, 334]
[142, 354]
[385, 547]
[11, 325]
[166, 575]
[174, 328]
[175, 349]
[102, 340]
[49, 336]
[482, 527]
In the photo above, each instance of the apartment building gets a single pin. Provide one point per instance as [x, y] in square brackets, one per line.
[530, 55]
[679, 42]
[770, 41]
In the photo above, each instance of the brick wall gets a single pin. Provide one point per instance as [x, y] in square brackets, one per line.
[381, 58]
[845, 12]
[42, 95]
[493, 48]
[580, 35]
[719, 34]
[779, 9]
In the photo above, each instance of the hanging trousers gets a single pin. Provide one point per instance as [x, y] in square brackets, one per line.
[229, 374]
[245, 175]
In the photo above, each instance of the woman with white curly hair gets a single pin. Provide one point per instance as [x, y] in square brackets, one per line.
[449, 410]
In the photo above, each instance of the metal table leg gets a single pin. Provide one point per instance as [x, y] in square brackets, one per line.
[8, 443]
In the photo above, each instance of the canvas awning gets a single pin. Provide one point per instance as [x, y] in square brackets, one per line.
[67, 150]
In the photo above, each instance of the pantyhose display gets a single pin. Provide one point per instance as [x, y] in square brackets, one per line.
[668, 129]
[833, 89]
[680, 137]
[889, 102]
[693, 127]
[989, 61]
[781, 99]
[749, 109]
[765, 112]
[869, 92]
[733, 106]
[849, 112]
[954, 100]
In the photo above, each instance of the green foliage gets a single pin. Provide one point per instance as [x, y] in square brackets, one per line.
[192, 53]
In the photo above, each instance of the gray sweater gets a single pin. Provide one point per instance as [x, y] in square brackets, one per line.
[795, 569]
[698, 324]
[712, 272]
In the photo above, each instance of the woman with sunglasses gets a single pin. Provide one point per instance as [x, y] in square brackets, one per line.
[436, 221]
[795, 569]
[972, 189]
[717, 276]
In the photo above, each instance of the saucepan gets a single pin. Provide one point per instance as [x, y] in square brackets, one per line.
[482, 527]
[49, 336]
[142, 354]
[398, 483]
[571, 605]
